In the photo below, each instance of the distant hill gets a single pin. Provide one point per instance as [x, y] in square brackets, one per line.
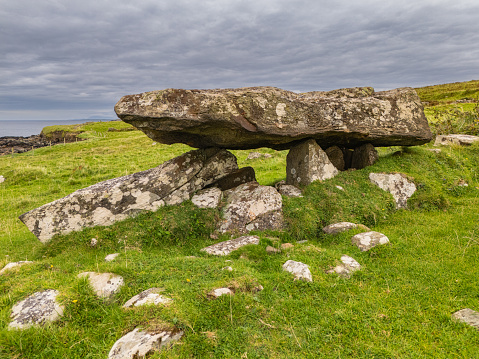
[457, 92]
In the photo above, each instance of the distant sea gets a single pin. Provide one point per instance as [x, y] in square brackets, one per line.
[32, 127]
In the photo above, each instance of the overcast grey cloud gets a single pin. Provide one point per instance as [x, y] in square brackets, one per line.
[70, 59]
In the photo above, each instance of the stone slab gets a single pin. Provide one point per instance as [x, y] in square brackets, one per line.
[455, 139]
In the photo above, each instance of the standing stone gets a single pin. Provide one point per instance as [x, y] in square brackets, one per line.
[117, 199]
[468, 316]
[207, 198]
[335, 155]
[139, 344]
[39, 308]
[104, 285]
[235, 178]
[455, 139]
[226, 247]
[148, 297]
[300, 270]
[364, 156]
[396, 184]
[14, 265]
[307, 162]
[252, 207]
[367, 240]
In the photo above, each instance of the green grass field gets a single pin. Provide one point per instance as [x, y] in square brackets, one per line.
[398, 306]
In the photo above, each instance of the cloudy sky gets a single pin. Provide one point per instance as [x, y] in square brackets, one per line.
[69, 59]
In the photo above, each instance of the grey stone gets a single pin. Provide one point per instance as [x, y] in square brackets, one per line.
[289, 190]
[236, 178]
[335, 155]
[38, 309]
[207, 198]
[252, 207]
[340, 227]
[340, 188]
[117, 199]
[364, 156]
[435, 150]
[12, 265]
[140, 344]
[396, 184]
[104, 285]
[248, 118]
[468, 316]
[93, 242]
[348, 266]
[299, 270]
[306, 163]
[228, 268]
[367, 240]
[111, 257]
[216, 293]
[455, 139]
[148, 297]
[226, 247]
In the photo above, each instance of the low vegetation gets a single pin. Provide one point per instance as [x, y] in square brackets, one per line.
[398, 306]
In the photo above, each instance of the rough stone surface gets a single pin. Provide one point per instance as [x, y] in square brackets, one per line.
[148, 297]
[254, 117]
[38, 309]
[364, 156]
[467, 316]
[234, 179]
[348, 266]
[140, 344]
[216, 293]
[340, 227]
[117, 199]
[307, 162]
[396, 184]
[111, 257]
[207, 198]
[456, 139]
[104, 285]
[252, 207]
[14, 265]
[367, 240]
[225, 248]
[289, 190]
[300, 270]
[335, 155]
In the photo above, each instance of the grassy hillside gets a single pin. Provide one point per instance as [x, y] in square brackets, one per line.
[398, 306]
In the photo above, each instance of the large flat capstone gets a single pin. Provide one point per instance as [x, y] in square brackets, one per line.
[254, 117]
[117, 199]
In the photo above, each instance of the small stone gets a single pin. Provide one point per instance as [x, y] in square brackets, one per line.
[286, 245]
[14, 265]
[468, 316]
[216, 293]
[300, 270]
[104, 285]
[435, 150]
[227, 268]
[139, 344]
[367, 240]
[257, 288]
[93, 242]
[272, 250]
[340, 188]
[2, 179]
[289, 191]
[111, 257]
[348, 266]
[207, 198]
[303, 241]
[39, 308]
[226, 247]
[340, 227]
[254, 155]
[148, 297]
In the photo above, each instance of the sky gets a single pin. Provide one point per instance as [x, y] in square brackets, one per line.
[70, 59]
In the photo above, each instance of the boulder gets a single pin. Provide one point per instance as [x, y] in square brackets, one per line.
[12, 265]
[207, 198]
[252, 207]
[248, 118]
[307, 162]
[104, 285]
[396, 184]
[364, 156]
[455, 139]
[140, 344]
[148, 297]
[38, 309]
[299, 270]
[367, 240]
[117, 199]
[235, 178]
[468, 316]
[226, 247]
[336, 156]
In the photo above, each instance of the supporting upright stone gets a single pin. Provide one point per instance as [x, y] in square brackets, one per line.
[364, 156]
[306, 163]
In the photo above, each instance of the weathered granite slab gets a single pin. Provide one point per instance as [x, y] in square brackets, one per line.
[247, 118]
[117, 199]
[226, 247]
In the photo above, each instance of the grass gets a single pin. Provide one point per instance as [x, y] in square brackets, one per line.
[398, 306]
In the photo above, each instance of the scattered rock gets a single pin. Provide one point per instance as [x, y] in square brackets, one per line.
[255, 155]
[306, 163]
[104, 285]
[367, 240]
[252, 207]
[207, 198]
[148, 297]
[286, 245]
[257, 288]
[2, 179]
[216, 293]
[303, 241]
[254, 117]
[235, 178]
[340, 188]
[225, 248]
[396, 184]
[289, 190]
[117, 199]
[14, 265]
[139, 344]
[468, 316]
[272, 250]
[228, 268]
[339, 227]
[93, 242]
[300, 270]
[348, 266]
[111, 257]
[38, 309]
[335, 155]
[364, 156]
[435, 150]
[455, 139]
